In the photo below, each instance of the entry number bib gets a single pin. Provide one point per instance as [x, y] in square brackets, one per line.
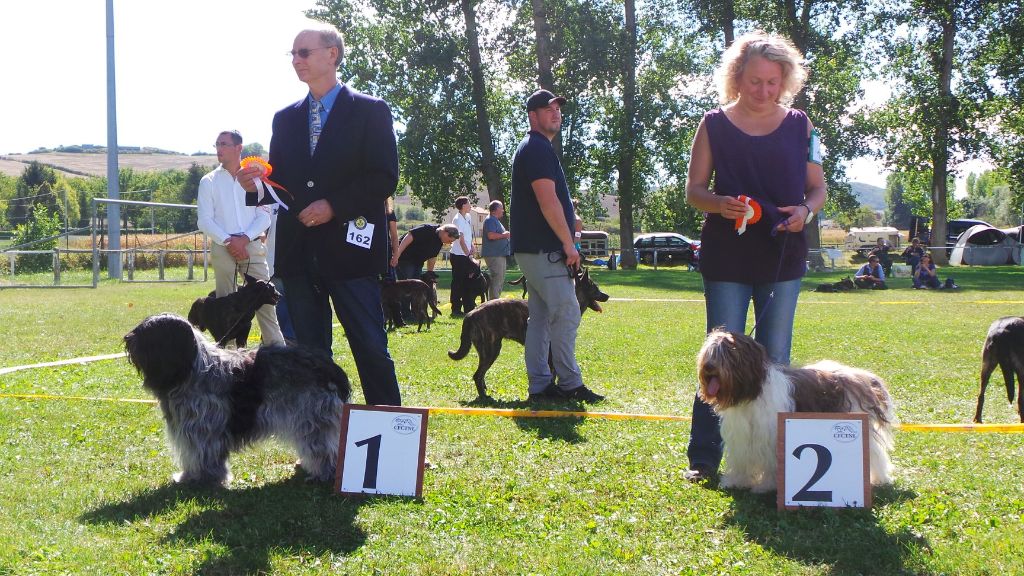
[360, 232]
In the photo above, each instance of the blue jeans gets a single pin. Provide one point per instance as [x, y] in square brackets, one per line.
[358, 306]
[727, 304]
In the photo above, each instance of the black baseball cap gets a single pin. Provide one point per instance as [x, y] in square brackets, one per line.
[542, 99]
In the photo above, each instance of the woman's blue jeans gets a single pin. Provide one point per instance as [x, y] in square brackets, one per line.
[727, 304]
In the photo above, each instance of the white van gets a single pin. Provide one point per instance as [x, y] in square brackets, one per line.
[863, 240]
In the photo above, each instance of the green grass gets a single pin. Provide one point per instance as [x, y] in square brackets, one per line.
[85, 485]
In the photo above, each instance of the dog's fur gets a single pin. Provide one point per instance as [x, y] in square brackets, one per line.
[230, 317]
[488, 324]
[748, 391]
[430, 278]
[844, 285]
[419, 294]
[478, 285]
[521, 281]
[1004, 347]
[217, 401]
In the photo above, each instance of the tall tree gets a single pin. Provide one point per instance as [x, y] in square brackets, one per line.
[488, 158]
[932, 124]
[628, 188]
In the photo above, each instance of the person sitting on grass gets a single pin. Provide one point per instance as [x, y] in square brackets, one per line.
[871, 275]
[927, 276]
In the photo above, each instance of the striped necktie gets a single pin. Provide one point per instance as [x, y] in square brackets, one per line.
[314, 124]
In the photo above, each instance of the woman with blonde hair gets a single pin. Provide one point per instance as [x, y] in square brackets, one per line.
[755, 170]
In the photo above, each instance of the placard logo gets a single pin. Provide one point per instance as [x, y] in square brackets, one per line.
[845, 432]
[404, 424]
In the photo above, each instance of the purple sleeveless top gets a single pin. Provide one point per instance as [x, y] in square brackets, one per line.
[771, 169]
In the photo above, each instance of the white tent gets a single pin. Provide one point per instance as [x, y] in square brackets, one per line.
[982, 245]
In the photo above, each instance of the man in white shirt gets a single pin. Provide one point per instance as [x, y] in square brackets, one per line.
[234, 230]
[461, 255]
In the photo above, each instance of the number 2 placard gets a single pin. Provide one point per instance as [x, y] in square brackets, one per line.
[382, 450]
[823, 460]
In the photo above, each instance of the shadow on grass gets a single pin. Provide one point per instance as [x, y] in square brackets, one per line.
[849, 541]
[250, 523]
[563, 429]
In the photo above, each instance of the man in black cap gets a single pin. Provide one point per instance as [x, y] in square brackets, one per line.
[542, 221]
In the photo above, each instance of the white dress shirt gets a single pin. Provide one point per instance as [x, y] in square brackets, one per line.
[222, 209]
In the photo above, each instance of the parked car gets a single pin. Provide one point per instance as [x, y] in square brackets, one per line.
[671, 248]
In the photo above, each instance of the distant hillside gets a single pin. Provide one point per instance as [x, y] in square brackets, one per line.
[871, 196]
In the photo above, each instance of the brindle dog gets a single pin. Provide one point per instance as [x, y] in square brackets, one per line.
[843, 285]
[230, 317]
[488, 324]
[417, 292]
[521, 281]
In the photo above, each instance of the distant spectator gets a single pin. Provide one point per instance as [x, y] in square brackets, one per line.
[495, 247]
[871, 275]
[881, 250]
[913, 253]
[926, 275]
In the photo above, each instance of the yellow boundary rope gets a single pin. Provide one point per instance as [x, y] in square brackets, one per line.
[510, 413]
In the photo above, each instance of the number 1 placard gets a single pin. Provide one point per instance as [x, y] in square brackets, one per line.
[823, 460]
[382, 450]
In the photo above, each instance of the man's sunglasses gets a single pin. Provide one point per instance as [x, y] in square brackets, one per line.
[304, 53]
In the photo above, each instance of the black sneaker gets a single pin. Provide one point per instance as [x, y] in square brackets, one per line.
[582, 394]
[699, 473]
[549, 393]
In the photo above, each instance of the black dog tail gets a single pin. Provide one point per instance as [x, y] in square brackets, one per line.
[517, 281]
[467, 341]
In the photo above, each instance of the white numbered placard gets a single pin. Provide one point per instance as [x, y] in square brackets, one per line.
[382, 450]
[360, 233]
[823, 460]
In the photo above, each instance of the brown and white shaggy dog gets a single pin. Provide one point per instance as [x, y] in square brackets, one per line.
[747, 390]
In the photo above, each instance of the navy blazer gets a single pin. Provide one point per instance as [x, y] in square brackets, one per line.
[355, 168]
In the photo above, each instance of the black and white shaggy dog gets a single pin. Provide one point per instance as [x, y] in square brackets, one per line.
[217, 401]
[747, 390]
[1004, 347]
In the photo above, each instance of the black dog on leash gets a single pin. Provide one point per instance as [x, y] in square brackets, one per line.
[1004, 347]
[230, 317]
[487, 325]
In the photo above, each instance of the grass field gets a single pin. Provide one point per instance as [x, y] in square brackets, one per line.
[85, 485]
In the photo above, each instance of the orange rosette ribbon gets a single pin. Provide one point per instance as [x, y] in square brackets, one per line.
[265, 170]
[752, 215]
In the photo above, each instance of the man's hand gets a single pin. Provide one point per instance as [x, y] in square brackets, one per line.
[245, 178]
[572, 256]
[237, 247]
[317, 213]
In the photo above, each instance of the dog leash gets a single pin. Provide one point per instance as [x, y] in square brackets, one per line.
[771, 295]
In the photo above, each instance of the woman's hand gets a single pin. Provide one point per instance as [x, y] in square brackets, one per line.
[730, 207]
[795, 216]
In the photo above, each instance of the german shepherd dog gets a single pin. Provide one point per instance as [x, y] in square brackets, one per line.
[417, 292]
[844, 285]
[488, 324]
[1004, 347]
[230, 317]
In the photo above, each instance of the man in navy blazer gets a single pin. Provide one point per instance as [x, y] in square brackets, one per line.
[334, 153]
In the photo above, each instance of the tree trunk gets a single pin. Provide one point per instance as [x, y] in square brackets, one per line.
[728, 22]
[488, 159]
[627, 139]
[940, 149]
[798, 25]
[542, 32]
